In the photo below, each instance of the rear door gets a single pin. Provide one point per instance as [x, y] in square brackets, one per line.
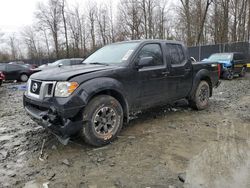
[180, 67]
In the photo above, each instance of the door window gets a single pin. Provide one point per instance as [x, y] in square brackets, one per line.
[176, 55]
[13, 68]
[154, 51]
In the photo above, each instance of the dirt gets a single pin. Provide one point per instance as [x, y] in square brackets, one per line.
[159, 148]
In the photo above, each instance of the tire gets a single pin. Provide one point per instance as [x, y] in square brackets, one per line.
[200, 98]
[24, 77]
[243, 72]
[1, 82]
[103, 119]
[229, 75]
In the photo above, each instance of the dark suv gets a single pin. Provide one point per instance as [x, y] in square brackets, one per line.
[95, 98]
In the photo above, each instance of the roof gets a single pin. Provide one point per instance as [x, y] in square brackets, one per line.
[150, 40]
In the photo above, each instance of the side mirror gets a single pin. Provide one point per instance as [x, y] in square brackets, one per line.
[145, 61]
[60, 64]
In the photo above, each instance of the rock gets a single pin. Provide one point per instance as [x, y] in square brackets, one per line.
[100, 159]
[131, 137]
[54, 147]
[12, 174]
[172, 126]
[112, 164]
[120, 183]
[66, 162]
[182, 177]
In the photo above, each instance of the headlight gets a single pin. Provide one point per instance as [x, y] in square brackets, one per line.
[64, 89]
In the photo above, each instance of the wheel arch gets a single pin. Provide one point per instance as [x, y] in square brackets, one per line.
[105, 86]
[202, 75]
[117, 95]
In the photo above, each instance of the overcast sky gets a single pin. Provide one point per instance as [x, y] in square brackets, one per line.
[14, 14]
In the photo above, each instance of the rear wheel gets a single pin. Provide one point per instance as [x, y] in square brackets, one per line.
[200, 99]
[103, 119]
[243, 72]
[24, 77]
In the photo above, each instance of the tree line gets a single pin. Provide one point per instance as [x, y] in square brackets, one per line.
[61, 30]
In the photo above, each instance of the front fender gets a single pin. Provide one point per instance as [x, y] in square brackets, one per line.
[90, 88]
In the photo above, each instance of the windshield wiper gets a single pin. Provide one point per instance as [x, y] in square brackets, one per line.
[98, 63]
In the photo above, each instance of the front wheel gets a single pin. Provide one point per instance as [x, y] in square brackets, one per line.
[103, 119]
[200, 99]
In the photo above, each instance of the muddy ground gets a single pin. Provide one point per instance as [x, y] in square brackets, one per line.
[209, 148]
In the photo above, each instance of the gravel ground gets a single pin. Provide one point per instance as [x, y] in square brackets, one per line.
[163, 147]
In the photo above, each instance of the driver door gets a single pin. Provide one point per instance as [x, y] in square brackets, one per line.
[152, 78]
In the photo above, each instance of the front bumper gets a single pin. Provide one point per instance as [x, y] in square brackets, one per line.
[63, 122]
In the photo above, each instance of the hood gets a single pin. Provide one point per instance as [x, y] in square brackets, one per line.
[66, 72]
[226, 62]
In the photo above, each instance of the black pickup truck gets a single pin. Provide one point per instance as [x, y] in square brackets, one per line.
[96, 98]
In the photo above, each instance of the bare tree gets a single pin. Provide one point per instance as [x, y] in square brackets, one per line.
[65, 27]
[50, 16]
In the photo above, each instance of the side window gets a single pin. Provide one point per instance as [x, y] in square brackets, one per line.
[66, 62]
[176, 55]
[239, 57]
[13, 67]
[154, 51]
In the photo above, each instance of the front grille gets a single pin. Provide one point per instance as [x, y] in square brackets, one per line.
[35, 87]
[41, 89]
[50, 88]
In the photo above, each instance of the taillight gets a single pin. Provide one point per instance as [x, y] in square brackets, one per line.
[219, 70]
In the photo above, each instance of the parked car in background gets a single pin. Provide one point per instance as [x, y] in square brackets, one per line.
[16, 72]
[17, 62]
[2, 78]
[231, 63]
[59, 63]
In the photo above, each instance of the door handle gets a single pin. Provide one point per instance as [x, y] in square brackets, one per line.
[187, 69]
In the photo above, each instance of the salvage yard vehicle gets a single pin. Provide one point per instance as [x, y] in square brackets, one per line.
[59, 63]
[16, 71]
[96, 98]
[231, 64]
[2, 78]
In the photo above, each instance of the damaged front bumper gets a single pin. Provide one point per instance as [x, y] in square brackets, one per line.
[64, 123]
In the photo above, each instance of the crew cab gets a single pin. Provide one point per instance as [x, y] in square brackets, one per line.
[96, 98]
[232, 63]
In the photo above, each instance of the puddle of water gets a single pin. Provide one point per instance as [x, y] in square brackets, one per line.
[222, 164]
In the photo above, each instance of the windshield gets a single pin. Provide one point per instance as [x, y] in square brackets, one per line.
[114, 53]
[220, 57]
